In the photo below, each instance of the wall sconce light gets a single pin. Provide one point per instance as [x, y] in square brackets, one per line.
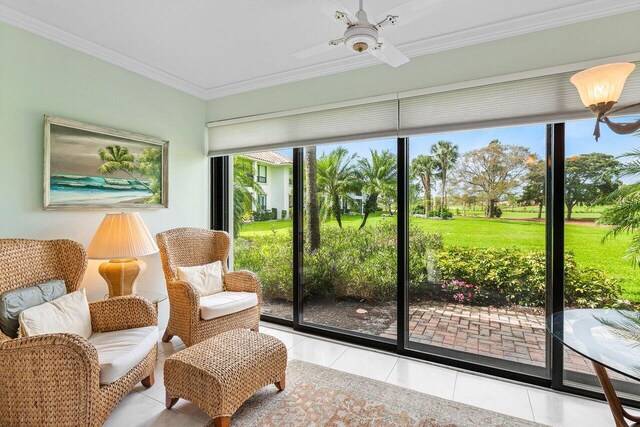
[600, 88]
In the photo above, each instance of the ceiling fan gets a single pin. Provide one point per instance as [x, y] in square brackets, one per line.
[363, 36]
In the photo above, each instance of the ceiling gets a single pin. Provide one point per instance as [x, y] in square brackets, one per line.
[212, 49]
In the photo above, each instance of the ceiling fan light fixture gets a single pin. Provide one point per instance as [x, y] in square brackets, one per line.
[361, 35]
[361, 38]
[360, 46]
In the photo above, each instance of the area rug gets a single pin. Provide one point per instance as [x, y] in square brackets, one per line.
[316, 396]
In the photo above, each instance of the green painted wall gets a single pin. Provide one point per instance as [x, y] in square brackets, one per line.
[39, 77]
[612, 36]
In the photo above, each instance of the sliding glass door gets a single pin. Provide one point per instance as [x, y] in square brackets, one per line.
[477, 261]
[451, 247]
[349, 261]
[601, 180]
[262, 225]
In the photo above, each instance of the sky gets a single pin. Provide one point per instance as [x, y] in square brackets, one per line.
[579, 140]
[578, 134]
[75, 151]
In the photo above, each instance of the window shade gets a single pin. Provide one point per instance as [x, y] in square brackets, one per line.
[535, 100]
[544, 99]
[339, 122]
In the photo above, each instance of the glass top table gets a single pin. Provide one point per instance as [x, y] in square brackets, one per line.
[610, 339]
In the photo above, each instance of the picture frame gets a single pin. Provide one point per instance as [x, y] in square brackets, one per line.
[94, 167]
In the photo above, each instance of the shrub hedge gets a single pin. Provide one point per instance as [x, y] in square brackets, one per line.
[349, 263]
[266, 215]
[512, 276]
[269, 256]
[362, 264]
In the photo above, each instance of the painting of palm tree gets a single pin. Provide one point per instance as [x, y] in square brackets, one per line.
[87, 166]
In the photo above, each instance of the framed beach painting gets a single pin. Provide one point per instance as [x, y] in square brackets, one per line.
[93, 167]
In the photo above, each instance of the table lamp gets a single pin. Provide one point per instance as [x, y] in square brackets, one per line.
[121, 238]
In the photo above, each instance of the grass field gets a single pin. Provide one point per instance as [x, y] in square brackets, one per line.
[583, 240]
[579, 212]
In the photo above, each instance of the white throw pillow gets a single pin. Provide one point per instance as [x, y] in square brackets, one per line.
[206, 279]
[67, 314]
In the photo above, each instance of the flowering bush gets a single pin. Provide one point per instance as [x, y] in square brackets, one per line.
[462, 292]
[512, 276]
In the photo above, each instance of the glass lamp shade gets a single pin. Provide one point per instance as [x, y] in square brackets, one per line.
[602, 84]
[121, 235]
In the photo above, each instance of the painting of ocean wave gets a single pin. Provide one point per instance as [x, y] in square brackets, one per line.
[87, 166]
[78, 189]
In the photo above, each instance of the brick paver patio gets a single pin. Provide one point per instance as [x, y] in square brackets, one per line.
[518, 336]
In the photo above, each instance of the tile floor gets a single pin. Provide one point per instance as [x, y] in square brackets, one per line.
[145, 407]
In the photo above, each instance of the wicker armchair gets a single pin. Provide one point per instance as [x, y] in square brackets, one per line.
[187, 247]
[55, 379]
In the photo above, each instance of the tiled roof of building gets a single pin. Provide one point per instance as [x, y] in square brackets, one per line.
[270, 157]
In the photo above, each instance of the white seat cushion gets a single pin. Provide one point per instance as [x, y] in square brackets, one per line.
[224, 303]
[120, 351]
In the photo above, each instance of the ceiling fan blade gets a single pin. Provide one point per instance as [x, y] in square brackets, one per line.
[330, 7]
[411, 10]
[389, 54]
[317, 49]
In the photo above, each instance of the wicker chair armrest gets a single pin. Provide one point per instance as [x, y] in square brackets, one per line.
[184, 298]
[243, 281]
[45, 378]
[118, 313]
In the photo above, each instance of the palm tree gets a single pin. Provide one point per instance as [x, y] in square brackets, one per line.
[423, 167]
[150, 165]
[446, 154]
[336, 178]
[245, 189]
[117, 158]
[313, 211]
[624, 216]
[378, 176]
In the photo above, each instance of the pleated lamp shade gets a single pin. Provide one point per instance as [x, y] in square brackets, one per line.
[121, 235]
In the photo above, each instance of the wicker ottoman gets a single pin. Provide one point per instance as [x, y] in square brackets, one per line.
[220, 373]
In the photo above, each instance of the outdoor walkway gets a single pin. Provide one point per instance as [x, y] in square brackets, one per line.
[518, 336]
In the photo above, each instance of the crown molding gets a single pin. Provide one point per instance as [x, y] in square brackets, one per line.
[54, 34]
[587, 10]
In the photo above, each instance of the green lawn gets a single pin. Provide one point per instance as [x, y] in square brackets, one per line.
[583, 240]
[579, 212]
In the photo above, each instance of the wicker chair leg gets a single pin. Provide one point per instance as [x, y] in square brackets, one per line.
[170, 401]
[166, 337]
[148, 381]
[281, 384]
[222, 422]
